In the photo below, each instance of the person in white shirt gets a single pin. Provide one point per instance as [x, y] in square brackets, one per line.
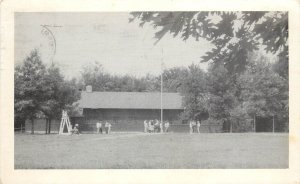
[106, 127]
[191, 127]
[145, 126]
[109, 128]
[167, 125]
[151, 126]
[198, 127]
[194, 126]
[76, 129]
[156, 126]
[99, 127]
[161, 127]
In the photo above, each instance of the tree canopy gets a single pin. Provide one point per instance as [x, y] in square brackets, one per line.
[194, 91]
[30, 87]
[234, 34]
[41, 91]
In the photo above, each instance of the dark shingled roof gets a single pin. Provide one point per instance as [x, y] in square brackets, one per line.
[129, 100]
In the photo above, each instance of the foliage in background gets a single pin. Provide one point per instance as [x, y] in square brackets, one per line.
[234, 34]
[222, 98]
[41, 91]
[95, 75]
[61, 95]
[194, 92]
[31, 89]
[239, 85]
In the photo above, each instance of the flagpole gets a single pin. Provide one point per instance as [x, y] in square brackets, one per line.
[161, 88]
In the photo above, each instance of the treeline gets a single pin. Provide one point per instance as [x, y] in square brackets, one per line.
[95, 75]
[216, 95]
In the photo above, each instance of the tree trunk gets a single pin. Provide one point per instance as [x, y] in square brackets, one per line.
[32, 126]
[273, 124]
[46, 130]
[49, 128]
[254, 124]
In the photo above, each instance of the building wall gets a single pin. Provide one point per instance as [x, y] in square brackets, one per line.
[125, 119]
[122, 121]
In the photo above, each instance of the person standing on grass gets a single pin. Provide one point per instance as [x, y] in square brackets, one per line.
[106, 127]
[99, 127]
[191, 127]
[156, 126]
[167, 125]
[151, 126]
[109, 127]
[198, 127]
[161, 127]
[194, 126]
[145, 126]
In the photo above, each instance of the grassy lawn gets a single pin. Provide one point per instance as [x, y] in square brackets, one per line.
[139, 150]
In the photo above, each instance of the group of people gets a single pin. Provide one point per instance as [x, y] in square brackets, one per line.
[107, 127]
[151, 126]
[194, 125]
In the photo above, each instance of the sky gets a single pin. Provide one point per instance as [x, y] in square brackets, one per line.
[121, 47]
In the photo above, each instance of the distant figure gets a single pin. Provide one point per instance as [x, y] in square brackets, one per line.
[107, 127]
[167, 125]
[76, 129]
[161, 127]
[156, 126]
[99, 127]
[145, 126]
[151, 126]
[194, 126]
[198, 127]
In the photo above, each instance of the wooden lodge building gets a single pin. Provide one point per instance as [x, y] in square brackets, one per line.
[127, 110]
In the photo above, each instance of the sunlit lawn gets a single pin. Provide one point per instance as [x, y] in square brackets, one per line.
[139, 150]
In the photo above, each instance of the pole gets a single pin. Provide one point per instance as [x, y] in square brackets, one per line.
[161, 88]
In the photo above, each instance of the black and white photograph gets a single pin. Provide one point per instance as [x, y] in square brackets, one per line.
[151, 90]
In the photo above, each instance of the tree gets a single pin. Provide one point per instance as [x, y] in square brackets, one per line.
[93, 74]
[234, 34]
[60, 96]
[173, 78]
[152, 82]
[102, 81]
[222, 90]
[30, 88]
[193, 89]
[265, 92]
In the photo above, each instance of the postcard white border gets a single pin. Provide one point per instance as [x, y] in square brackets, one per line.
[9, 175]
